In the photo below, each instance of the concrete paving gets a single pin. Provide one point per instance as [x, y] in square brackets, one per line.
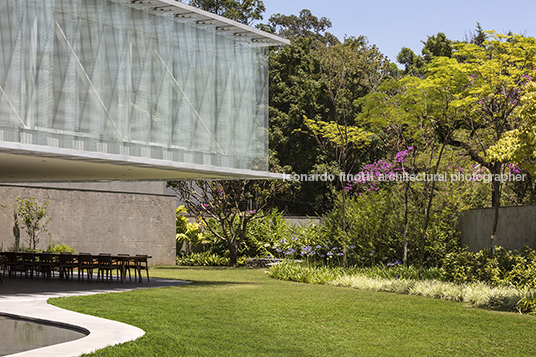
[25, 297]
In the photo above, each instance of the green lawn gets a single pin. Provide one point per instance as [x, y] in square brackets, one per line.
[243, 312]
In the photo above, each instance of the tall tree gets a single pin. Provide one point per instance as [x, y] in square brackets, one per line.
[303, 25]
[243, 11]
[349, 71]
[493, 76]
[486, 81]
[435, 46]
[295, 92]
[422, 111]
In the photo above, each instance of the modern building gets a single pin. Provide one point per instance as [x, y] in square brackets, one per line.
[94, 90]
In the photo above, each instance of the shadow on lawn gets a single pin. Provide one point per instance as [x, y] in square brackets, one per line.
[186, 267]
[195, 283]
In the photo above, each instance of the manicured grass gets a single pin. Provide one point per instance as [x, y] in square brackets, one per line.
[243, 312]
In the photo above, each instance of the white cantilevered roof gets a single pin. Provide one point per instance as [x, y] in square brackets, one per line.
[182, 10]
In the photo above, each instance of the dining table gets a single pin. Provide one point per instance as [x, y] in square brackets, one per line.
[121, 259]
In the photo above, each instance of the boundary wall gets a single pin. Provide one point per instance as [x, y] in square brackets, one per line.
[516, 228]
[105, 217]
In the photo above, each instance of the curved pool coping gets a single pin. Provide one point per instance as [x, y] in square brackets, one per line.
[102, 332]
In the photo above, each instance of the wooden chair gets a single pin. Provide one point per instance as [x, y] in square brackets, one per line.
[129, 264]
[3, 267]
[13, 264]
[29, 263]
[47, 265]
[106, 264]
[67, 265]
[142, 264]
[87, 263]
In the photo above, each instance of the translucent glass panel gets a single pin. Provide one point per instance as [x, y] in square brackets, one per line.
[112, 77]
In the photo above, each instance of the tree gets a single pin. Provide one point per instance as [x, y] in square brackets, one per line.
[519, 145]
[32, 216]
[435, 46]
[412, 63]
[227, 207]
[296, 92]
[349, 71]
[304, 25]
[477, 37]
[420, 112]
[243, 11]
[492, 78]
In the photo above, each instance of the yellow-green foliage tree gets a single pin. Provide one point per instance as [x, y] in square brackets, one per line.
[495, 75]
[519, 145]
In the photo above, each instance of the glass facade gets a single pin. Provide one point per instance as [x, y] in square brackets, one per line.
[124, 79]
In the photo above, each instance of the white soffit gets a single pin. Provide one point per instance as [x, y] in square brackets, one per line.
[203, 17]
[31, 163]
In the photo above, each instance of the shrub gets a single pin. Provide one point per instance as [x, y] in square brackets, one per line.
[375, 228]
[186, 230]
[59, 248]
[527, 304]
[379, 279]
[288, 270]
[505, 268]
[206, 259]
[263, 234]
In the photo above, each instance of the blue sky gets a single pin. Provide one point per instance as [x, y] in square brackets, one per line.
[393, 24]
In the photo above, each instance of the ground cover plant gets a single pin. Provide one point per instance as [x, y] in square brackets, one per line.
[243, 312]
[405, 280]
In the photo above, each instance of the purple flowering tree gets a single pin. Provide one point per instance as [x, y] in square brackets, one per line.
[387, 172]
[226, 207]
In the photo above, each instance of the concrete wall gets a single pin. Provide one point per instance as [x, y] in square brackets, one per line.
[516, 228]
[98, 220]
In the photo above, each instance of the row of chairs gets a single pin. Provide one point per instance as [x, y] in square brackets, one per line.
[27, 263]
[106, 265]
[46, 264]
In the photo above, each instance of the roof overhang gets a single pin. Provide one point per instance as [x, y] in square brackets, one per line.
[33, 163]
[181, 10]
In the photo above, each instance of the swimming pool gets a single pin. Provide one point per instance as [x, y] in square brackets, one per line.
[18, 334]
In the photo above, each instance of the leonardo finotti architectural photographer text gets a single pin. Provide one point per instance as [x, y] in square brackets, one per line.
[406, 177]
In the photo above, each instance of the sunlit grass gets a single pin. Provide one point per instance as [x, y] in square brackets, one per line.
[243, 312]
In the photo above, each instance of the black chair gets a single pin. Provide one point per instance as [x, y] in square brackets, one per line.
[13, 264]
[67, 265]
[87, 263]
[47, 263]
[29, 263]
[142, 264]
[106, 264]
[129, 264]
[2, 266]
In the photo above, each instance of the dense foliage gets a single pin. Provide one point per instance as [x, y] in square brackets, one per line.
[516, 269]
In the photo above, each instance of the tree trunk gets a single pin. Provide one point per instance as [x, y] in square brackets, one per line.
[427, 208]
[233, 255]
[496, 202]
[344, 226]
[406, 224]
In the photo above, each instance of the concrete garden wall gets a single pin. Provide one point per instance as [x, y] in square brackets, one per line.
[516, 227]
[96, 220]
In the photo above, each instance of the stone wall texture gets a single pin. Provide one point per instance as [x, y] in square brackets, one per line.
[96, 221]
[516, 228]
